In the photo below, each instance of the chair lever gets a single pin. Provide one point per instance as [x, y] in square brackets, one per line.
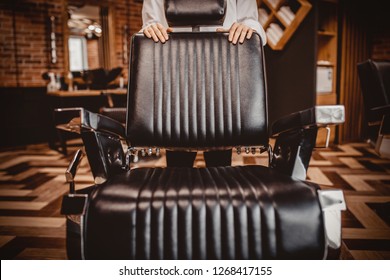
[70, 172]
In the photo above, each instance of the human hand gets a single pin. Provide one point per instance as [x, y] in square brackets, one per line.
[238, 32]
[157, 32]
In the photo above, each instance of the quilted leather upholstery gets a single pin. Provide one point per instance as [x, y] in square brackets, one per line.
[191, 13]
[247, 212]
[196, 91]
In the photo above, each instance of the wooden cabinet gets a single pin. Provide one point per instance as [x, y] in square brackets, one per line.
[327, 54]
[281, 18]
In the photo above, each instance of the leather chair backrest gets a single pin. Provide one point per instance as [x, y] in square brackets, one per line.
[383, 70]
[195, 13]
[196, 91]
[375, 83]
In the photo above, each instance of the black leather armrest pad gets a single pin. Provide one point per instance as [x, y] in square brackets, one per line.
[101, 123]
[314, 116]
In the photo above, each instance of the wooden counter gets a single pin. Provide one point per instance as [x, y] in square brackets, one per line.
[87, 92]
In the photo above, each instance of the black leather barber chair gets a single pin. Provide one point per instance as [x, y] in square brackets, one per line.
[199, 92]
[374, 79]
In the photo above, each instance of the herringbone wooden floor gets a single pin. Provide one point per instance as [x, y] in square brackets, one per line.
[32, 183]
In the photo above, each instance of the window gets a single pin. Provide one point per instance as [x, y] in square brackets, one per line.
[78, 60]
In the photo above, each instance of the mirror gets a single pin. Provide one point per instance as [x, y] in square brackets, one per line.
[85, 47]
[90, 43]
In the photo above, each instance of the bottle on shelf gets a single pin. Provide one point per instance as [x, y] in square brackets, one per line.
[58, 82]
[121, 82]
[52, 85]
[70, 81]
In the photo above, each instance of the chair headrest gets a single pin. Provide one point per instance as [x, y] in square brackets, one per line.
[195, 12]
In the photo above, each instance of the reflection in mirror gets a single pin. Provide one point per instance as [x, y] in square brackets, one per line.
[78, 57]
[85, 34]
[90, 46]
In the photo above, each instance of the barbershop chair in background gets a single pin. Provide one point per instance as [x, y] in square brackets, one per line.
[116, 113]
[205, 94]
[374, 79]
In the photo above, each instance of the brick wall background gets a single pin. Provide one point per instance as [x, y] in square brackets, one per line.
[25, 31]
[93, 53]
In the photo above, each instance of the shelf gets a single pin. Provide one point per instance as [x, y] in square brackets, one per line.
[325, 64]
[327, 33]
[288, 15]
[327, 19]
[277, 5]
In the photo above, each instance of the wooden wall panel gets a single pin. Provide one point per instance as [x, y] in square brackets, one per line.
[354, 49]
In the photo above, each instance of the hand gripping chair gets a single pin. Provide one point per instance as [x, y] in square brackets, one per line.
[200, 92]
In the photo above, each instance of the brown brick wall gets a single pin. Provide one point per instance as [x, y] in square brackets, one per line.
[24, 38]
[93, 53]
[7, 46]
[126, 13]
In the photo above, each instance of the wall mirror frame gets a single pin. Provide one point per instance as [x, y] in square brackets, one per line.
[107, 44]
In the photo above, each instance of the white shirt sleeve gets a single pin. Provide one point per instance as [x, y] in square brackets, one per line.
[152, 12]
[247, 13]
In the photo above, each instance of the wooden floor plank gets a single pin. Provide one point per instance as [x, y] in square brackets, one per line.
[42, 254]
[39, 231]
[22, 205]
[351, 162]
[32, 221]
[4, 239]
[359, 182]
[317, 176]
[370, 255]
[366, 216]
[11, 192]
[362, 233]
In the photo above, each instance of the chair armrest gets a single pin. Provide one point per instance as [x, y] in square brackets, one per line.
[84, 119]
[102, 139]
[316, 116]
[296, 136]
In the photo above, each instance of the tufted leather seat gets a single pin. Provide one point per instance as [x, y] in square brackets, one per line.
[243, 212]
